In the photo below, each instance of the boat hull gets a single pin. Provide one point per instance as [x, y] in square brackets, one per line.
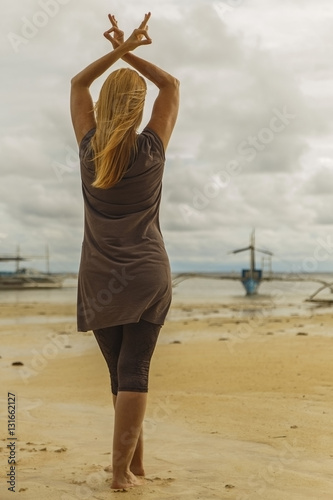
[26, 281]
[251, 280]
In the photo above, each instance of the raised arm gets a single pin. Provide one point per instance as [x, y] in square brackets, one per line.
[165, 109]
[81, 103]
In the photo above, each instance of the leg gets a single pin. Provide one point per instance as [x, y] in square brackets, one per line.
[109, 341]
[129, 414]
[137, 461]
[138, 345]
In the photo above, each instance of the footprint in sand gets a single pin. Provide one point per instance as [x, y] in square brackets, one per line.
[160, 481]
[26, 405]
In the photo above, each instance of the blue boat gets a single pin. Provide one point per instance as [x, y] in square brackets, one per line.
[251, 280]
[252, 277]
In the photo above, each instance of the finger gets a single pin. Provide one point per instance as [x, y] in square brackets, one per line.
[119, 33]
[140, 31]
[111, 30]
[107, 33]
[116, 30]
[107, 36]
[142, 24]
[145, 20]
[143, 36]
[146, 41]
[113, 20]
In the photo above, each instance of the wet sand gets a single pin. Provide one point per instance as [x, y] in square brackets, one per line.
[238, 409]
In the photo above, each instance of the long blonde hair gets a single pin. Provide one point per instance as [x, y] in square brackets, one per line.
[119, 111]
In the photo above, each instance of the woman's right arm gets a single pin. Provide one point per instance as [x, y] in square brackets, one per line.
[166, 105]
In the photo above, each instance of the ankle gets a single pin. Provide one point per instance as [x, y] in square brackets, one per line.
[138, 471]
[120, 471]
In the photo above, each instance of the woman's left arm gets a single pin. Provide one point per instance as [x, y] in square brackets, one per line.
[81, 103]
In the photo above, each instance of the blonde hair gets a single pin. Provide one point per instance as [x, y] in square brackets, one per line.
[119, 111]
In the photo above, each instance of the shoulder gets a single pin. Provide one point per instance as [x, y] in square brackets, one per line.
[85, 151]
[86, 154]
[85, 142]
[150, 143]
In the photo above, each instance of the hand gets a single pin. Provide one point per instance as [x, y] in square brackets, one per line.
[143, 25]
[118, 37]
[138, 37]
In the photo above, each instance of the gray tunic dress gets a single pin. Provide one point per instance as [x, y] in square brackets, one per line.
[124, 273]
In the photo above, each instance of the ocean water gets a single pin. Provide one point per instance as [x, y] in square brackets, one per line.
[276, 297]
[227, 296]
[226, 291]
[65, 295]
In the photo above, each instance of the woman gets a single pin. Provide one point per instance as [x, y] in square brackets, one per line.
[124, 289]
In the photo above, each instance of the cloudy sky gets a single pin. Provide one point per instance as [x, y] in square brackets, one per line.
[252, 147]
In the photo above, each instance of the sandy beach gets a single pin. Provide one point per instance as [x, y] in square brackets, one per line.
[238, 409]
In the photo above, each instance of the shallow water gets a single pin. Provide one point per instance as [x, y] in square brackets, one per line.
[275, 298]
[65, 295]
[40, 319]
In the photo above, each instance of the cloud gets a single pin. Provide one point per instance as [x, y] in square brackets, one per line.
[232, 163]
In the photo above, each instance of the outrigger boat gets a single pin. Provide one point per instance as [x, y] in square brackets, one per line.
[25, 278]
[251, 278]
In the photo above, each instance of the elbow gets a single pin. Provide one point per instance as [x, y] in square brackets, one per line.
[171, 83]
[176, 85]
[74, 80]
[175, 82]
[79, 81]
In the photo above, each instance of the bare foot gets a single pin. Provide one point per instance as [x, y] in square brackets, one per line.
[136, 469]
[128, 480]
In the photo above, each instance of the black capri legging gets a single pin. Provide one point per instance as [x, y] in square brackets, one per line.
[127, 350]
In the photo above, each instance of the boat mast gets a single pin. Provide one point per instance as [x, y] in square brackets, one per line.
[18, 258]
[252, 258]
[47, 258]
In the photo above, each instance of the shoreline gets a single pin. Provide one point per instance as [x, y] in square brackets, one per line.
[235, 305]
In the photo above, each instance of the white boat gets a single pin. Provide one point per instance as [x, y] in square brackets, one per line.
[25, 278]
[29, 278]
